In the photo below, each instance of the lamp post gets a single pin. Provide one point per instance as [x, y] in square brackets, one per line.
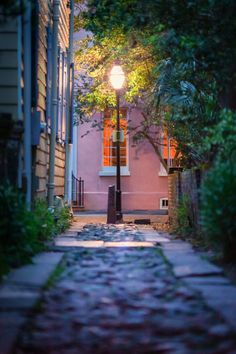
[117, 78]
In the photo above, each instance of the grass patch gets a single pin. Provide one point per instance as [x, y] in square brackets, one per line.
[55, 275]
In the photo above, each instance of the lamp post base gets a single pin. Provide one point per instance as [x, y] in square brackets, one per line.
[119, 217]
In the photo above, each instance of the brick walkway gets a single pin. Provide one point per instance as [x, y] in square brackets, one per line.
[126, 289]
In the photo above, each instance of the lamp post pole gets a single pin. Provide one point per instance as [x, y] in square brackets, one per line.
[118, 184]
[117, 79]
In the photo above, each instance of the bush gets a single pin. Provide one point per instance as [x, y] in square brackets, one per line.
[23, 232]
[218, 192]
[218, 206]
[182, 223]
[18, 230]
[63, 219]
[51, 222]
[44, 219]
[221, 139]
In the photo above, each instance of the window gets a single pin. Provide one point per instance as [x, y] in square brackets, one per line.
[164, 203]
[62, 85]
[168, 153]
[49, 77]
[109, 144]
[61, 88]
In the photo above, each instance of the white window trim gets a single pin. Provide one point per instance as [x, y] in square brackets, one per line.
[161, 204]
[111, 171]
[107, 171]
[162, 171]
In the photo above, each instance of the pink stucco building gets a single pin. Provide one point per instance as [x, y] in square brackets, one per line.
[143, 179]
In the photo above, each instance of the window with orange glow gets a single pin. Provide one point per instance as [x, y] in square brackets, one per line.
[169, 150]
[109, 147]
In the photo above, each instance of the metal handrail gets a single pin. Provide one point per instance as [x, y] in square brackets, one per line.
[77, 191]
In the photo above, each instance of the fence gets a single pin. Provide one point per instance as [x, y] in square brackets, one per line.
[77, 192]
[185, 184]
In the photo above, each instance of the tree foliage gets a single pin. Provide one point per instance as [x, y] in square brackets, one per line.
[192, 51]
[94, 60]
[202, 31]
[218, 199]
[218, 207]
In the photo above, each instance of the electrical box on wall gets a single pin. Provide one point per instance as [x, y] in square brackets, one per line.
[37, 127]
[118, 136]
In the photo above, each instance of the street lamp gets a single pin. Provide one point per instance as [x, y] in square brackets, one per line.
[117, 79]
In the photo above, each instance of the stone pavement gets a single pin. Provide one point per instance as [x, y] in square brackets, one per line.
[128, 288]
[19, 294]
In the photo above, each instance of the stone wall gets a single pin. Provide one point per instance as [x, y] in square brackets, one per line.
[173, 196]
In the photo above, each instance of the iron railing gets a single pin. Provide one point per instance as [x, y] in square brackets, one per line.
[78, 191]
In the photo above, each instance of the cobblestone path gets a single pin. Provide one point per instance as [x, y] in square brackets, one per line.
[122, 300]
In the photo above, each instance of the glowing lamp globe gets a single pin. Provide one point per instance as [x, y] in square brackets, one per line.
[117, 77]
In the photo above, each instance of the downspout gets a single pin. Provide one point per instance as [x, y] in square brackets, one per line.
[34, 82]
[27, 100]
[68, 171]
[51, 185]
[19, 96]
[75, 150]
[71, 134]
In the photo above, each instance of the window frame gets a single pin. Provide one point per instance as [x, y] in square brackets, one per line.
[164, 203]
[106, 171]
[49, 78]
[169, 161]
[61, 95]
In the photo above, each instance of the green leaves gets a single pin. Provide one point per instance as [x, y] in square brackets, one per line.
[182, 224]
[218, 206]
[18, 231]
[94, 63]
[222, 137]
[23, 232]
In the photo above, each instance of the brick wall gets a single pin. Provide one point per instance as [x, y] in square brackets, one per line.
[173, 196]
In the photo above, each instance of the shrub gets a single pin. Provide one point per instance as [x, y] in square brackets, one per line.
[182, 223]
[23, 232]
[63, 219]
[18, 229]
[218, 206]
[45, 220]
[221, 139]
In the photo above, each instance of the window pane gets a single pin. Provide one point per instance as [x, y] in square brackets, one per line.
[123, 161]
[109, 147]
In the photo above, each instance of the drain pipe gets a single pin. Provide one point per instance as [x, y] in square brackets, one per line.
[19, 97]
[69, 109]
[51, 185]
[27, 101]
[75, 150]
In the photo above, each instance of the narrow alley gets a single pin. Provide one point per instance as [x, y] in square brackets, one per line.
[117, 177]
[118, 292]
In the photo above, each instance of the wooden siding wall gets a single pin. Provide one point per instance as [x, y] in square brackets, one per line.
[42, 152]
[8, 68]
